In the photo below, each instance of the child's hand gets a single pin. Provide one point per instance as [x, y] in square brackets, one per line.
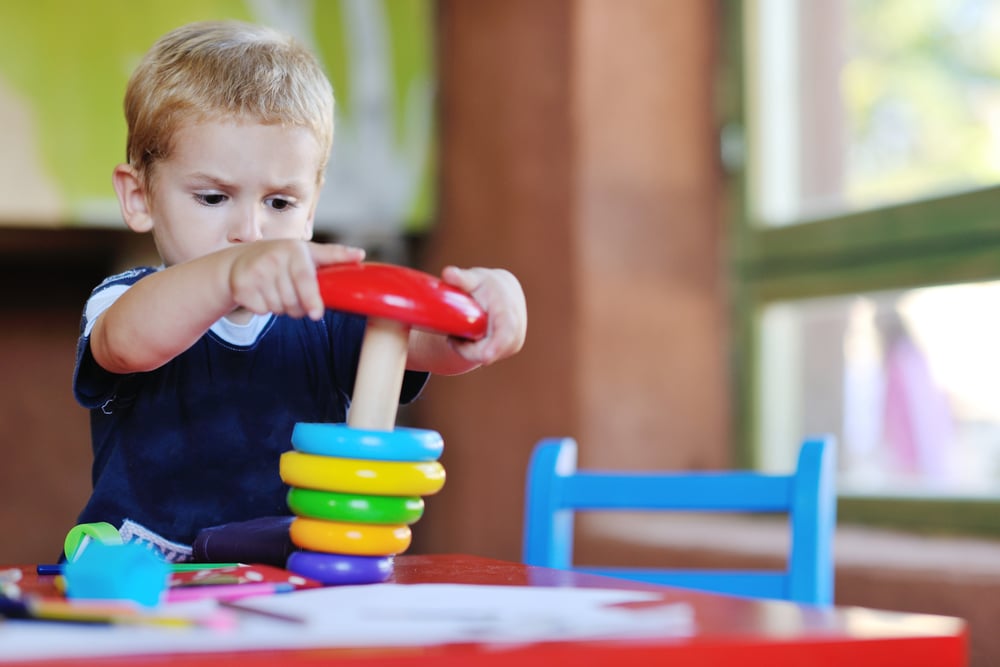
[280, 276]
[499, 293]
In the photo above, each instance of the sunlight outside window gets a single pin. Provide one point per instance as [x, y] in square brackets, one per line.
[856, 104]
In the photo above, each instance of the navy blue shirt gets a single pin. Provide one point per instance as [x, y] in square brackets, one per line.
[196, 443]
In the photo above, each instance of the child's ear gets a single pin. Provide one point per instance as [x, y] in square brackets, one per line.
[132, 198]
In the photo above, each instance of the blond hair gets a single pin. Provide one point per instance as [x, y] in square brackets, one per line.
[223, 69]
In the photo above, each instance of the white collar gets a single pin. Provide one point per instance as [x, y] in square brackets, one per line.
[241, 334]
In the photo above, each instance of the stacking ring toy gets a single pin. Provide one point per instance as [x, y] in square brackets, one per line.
[357, 539]
[395, 299]
[386, 478]
[353, 508]
[356, 489]
[402, 444]
[332, 569]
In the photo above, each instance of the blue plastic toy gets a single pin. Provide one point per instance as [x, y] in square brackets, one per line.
[117, 572]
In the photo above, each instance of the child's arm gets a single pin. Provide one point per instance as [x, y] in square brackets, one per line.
[163, 314]
[499, 293]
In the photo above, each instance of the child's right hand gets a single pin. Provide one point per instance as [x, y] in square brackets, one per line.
[280, 276]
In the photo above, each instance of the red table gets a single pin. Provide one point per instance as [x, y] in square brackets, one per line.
[727, 631]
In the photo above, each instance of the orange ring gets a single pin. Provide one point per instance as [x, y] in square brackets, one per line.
[358, 539]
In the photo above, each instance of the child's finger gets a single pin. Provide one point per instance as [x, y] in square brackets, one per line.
[466, 280]
[291, 300]
[306, 288]
[335, 253]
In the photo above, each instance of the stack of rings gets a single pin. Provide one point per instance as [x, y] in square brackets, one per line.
[355, 493]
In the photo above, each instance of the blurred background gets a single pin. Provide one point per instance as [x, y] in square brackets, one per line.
[736, 223]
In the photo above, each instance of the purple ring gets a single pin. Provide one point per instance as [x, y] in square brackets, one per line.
[339, 569]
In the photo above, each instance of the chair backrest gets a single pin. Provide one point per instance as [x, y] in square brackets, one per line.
[556, 490]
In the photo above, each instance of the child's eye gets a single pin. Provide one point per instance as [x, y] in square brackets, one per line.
[210, 198]
[279, 203]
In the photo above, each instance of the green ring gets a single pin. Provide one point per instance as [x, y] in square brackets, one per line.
[355, 508]
[81, 534]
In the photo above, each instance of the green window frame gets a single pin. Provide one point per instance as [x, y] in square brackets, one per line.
[934, 241]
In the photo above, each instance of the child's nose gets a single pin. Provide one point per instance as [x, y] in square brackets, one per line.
[246, 227]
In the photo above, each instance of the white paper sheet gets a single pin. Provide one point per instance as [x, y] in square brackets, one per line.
[372, 615]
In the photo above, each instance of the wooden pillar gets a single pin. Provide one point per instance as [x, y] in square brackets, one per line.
[579, 151]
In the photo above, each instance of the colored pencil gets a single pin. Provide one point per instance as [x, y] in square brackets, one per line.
[226, 592]
[244, 609]
[47, 569]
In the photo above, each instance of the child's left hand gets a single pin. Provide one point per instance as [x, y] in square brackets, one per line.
[499, 293]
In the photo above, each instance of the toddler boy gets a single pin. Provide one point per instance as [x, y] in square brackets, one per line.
[196, 371]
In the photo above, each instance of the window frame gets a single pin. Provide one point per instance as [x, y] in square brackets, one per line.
[940, 240]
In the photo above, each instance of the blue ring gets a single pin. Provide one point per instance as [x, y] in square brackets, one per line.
[340, 569]
[401, 444]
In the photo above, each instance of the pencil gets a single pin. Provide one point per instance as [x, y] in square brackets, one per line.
[226, 592]
[47, 569]
[99, 613]
[288, 618]
[192, 567]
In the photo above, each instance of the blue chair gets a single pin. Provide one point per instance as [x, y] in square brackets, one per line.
[556, 490]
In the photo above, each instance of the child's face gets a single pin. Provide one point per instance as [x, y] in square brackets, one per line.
[228, 183]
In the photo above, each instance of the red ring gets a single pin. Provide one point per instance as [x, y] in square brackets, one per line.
[402, 294]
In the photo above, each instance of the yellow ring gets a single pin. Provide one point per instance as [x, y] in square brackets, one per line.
[380, 478]
[358, 539]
